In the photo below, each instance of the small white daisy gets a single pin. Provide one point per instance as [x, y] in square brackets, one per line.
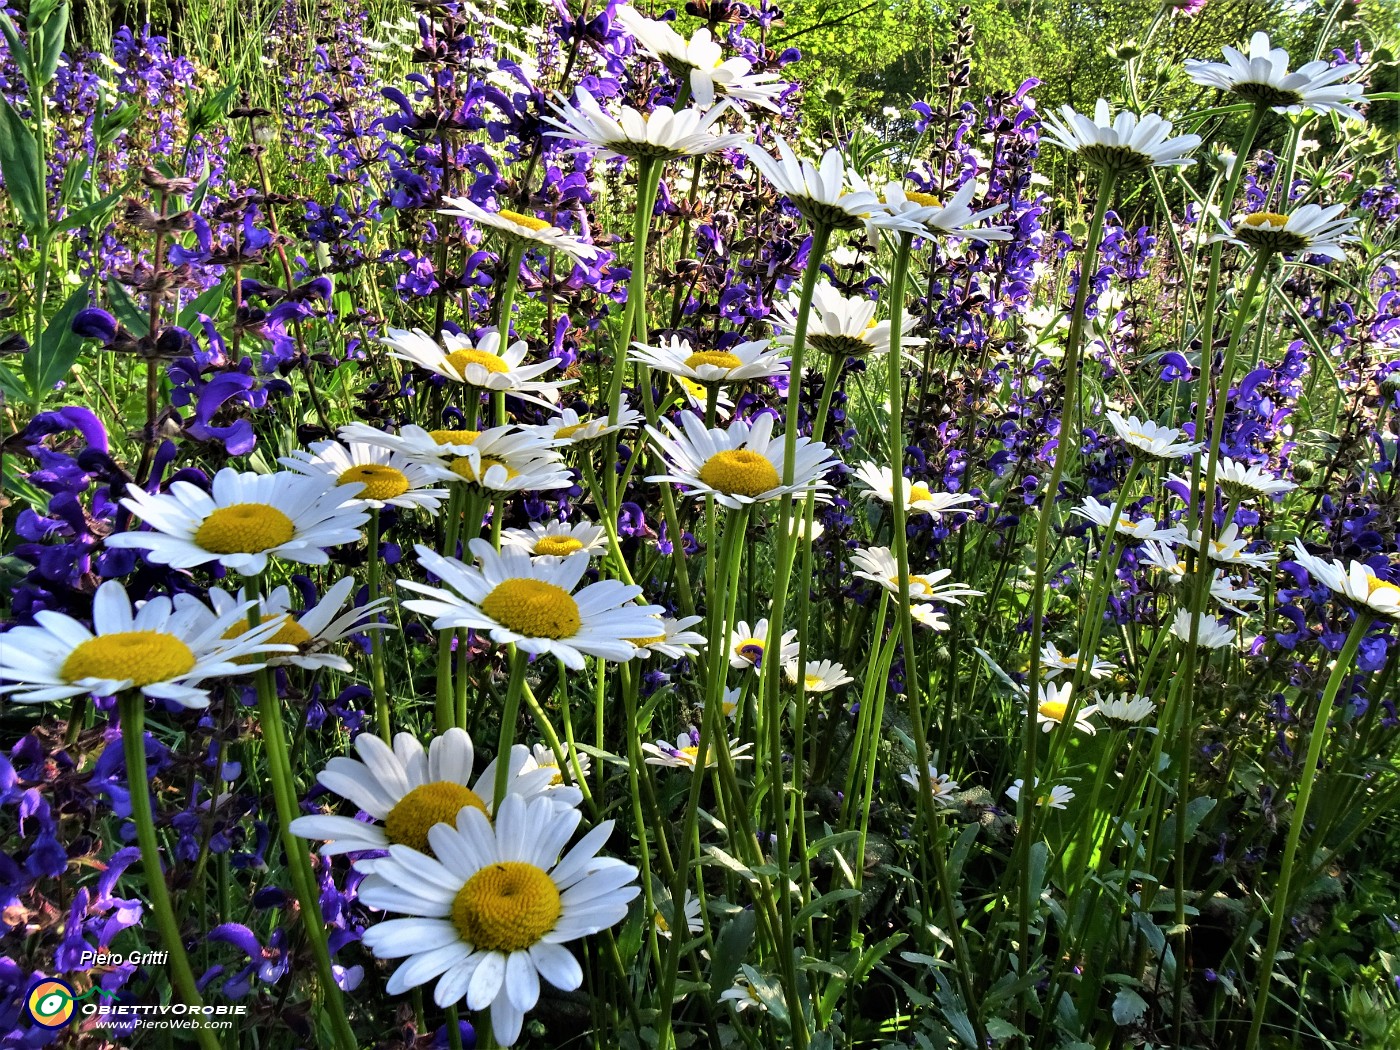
[817, 190]
[528, 230]
[1151, 439]
[879, 565]
[743, 994]
[569, 428]
[739, 465]
[1053, 701]
[491, 915]
[1309, 230]
[690, 911]
[1231, 594]
[510, 598]
[745, 361]
[1054, 662]
[1211, 634]
[955, 220]
[390, 479]
[1057, 797]
[687, 750]
[701, 62]
[661, 134]
[749, 648]
[942, 786]
[433, 446]
[243, 520]
[1262, 77]
[918, 497]
[543, 757]
[671, 638]
[557, 539]
[165, 649]
[1125, 710]
[482, 364]
[839, 324]
[1123, 143]
[1101, 514]
[1246, 482]
[820, 676]
[1357, 582]
[1228, 548]
[310, 633]
[925, 614]
[407, 790]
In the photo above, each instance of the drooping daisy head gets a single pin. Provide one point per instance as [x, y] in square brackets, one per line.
[1053, 663]
[819, 676]
[942, 786]
[491, 914]
[754, 360]
[1356, 581]
[1210, 632]
[685, 754]
[1123, 143]
[1262, 77]
[1309, 230]
[244, 520]
[661, 134]
[533, 604]
[879, 565]
[557, 539]
[312, 632]
[878, 482]
[407, 790]
[166, 649]
[819, 191]
[520, 229]
[840, 325]
[740, 464]
[482, 364]
[389, 479]
[1230, 548]
[748, 647]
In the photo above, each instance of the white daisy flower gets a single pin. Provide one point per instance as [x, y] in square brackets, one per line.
[1151, 439]
[748, 648]
[745, 361]
[165, 649]
[557, 539]
[527, 230]
[1052, 708]
[1356, 582]
[1212, 633]
[1054, 662]
[310, 633]
[701, 62]
[569, 428]
[740, 464]
[942, 786]
[482, 364]
[698, 396]
[1246, 482]
[243, 520]
[1101, 514]
[1229, 549]
[743, 995]
[1057, 797]
[543, 757]
[491, 915]
[1163, 558]
[407, 791]
[502, 459]
[671, 638]
[1125, 710]
[690, 911]
[918, 497]
[1232, 594]
[729, 702]
[931, 219]
[879, 565]
[390, 479]
[820, 676]
[511, 598]
[662, 134]
[1309, 230]
[1124, 143]
[687, 750]
[928, 615]
[837, 324]
[1262, 77]
[818, 191]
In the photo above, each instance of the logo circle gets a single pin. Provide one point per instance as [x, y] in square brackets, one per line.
[50, 1003]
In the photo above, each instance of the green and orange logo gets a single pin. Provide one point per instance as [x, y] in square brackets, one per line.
[51, 1003]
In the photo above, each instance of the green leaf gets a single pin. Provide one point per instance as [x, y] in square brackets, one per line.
[819, 905]
[207, 302]
[49, 361]
[731, 948]
[11, 34]
[85, 215]
[11, 386]
[127, 311]
[1128, 1007]
[23, 168]
[1196, 811]
[53, 38]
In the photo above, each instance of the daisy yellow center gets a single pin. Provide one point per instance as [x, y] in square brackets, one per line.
[530, 222]
[925, 200]
[244, 528]
[462, 467]
[411, 818]
[1269, 219]
[533, 608]
[917, 584]
[1375, 585]
[691, 752]
[718, 358]
[662, 926]
[141, 657]
[1054, 709]
[572, 429]
[290, 633]
[557, 546]
[918, 492]
[454, 437]
[642, 643]
[460, 359]
[380, 482]
[506, 907]
[812, 681]
[740, 472]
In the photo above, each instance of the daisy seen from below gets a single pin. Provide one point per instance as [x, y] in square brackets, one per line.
[820, 676]
[578, 764]
[686, 752]
[701, 63]
[244, 520]
[1211, 633]
[740, 464]
[1058, 796]
[1125, 710]
[481, 364]
[1262, 77]
[570, 428]
[699, 397]
[524, 230]
[942, 786]
[1151, 439]
[390, 479]
[407, 790]
[533, 604]
[1356, 581]
[1053, 701]
[819, 191]
[911, 211]
[662, 134]
[748, 648]
[1246, 482]
[1309, 230]
[557, 539]
[878, 564]
[166, 649]
[491, 915]
[1054, 662]
[673, 638]
[310, 633]
[1126, 142]
[840, 325]
[756, 359]
[878, 481]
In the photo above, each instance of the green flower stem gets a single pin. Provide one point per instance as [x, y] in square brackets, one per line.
[509, 717]
[1063, 450]
[132, 712]
[376, 644]
[648, 178]
[445, 713]
[514, 253]
[1278, 908]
